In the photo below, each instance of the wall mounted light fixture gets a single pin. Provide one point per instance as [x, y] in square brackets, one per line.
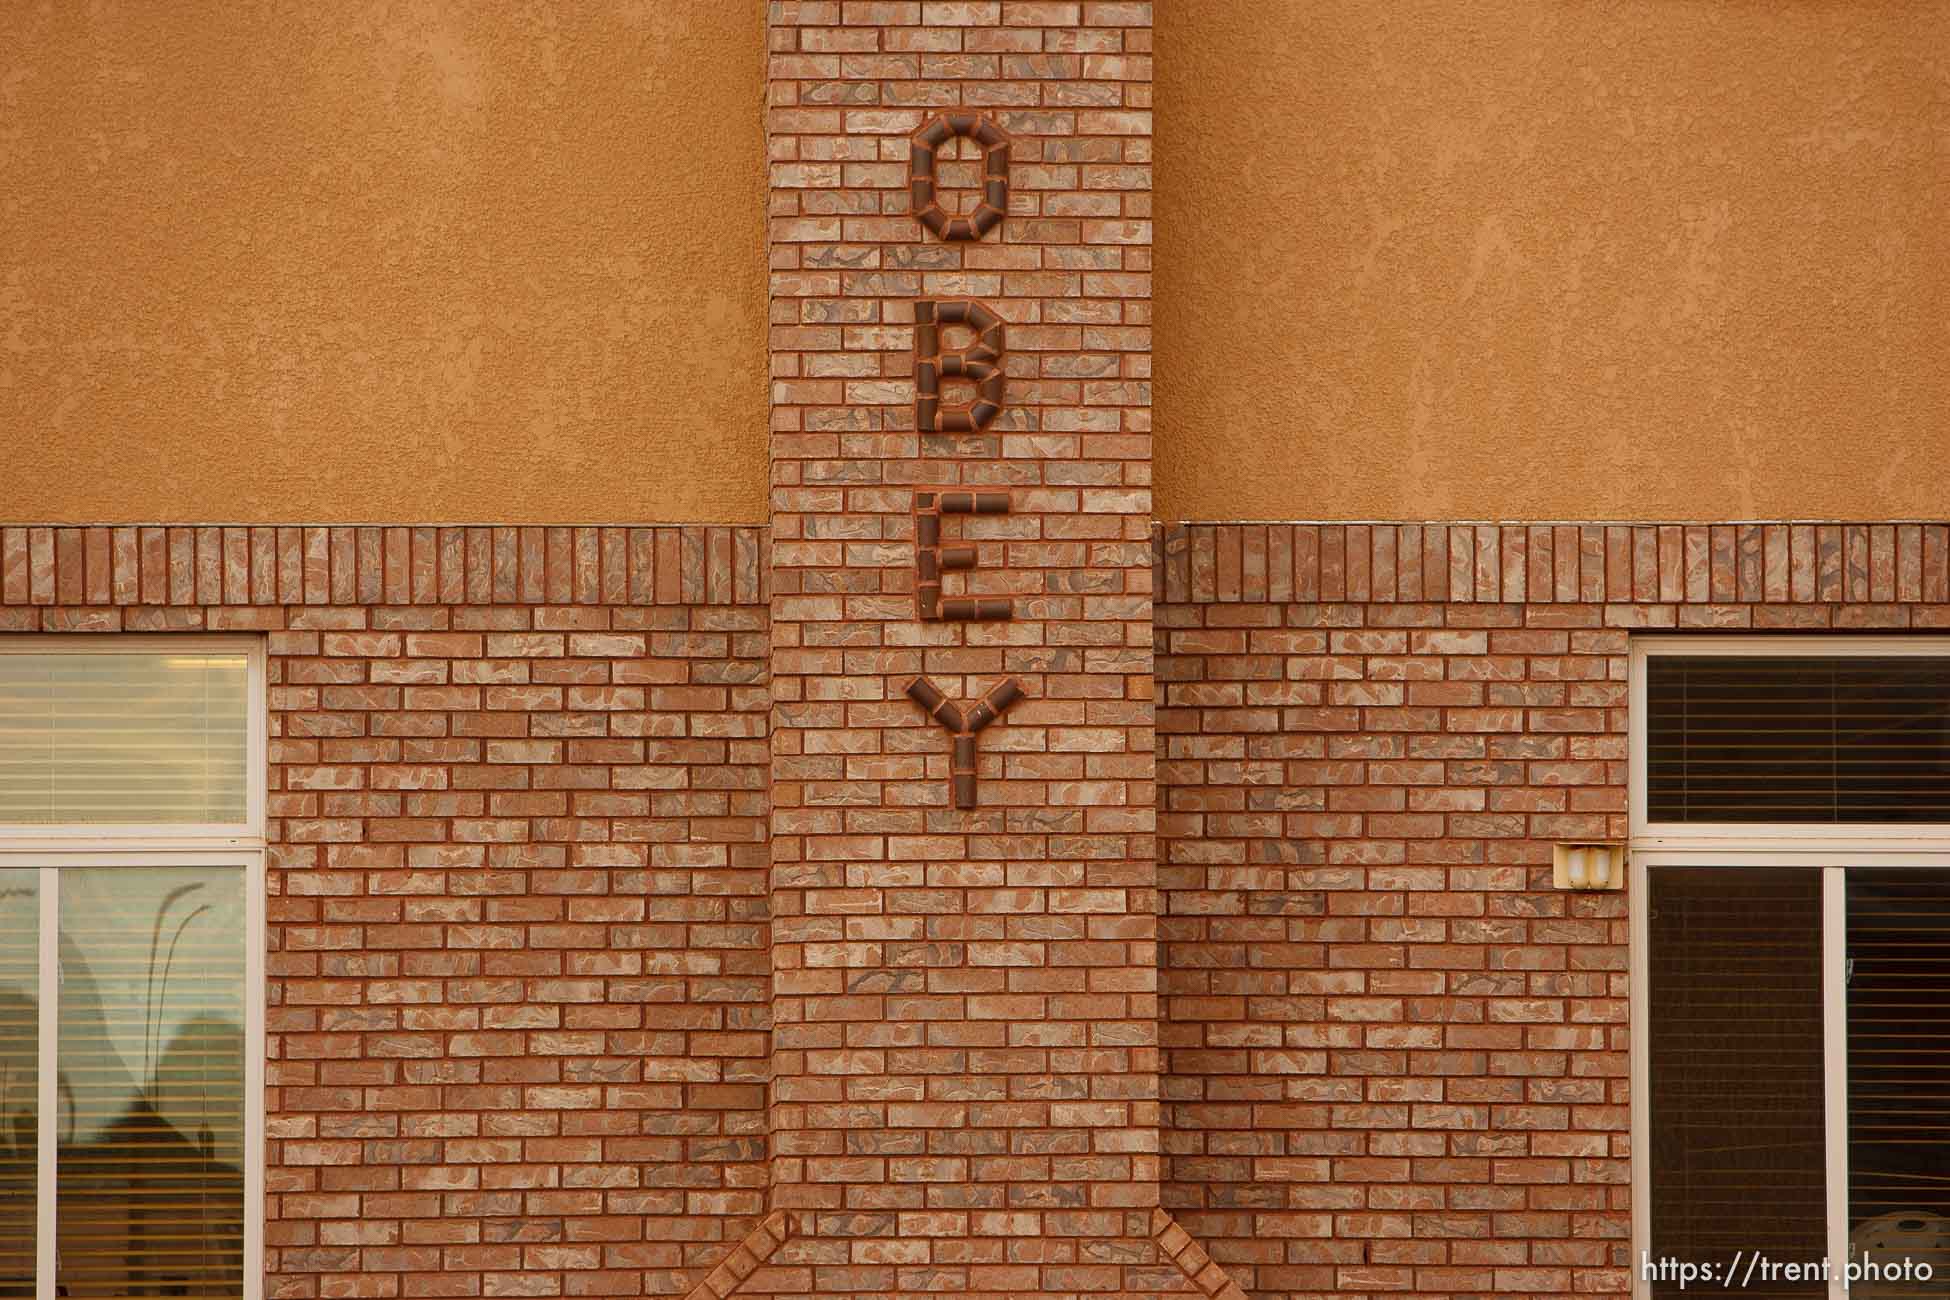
[1588, 865]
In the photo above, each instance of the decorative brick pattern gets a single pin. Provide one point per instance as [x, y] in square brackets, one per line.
[964, 1059]
[1395, 1055]
[1760, 575]
[518, 1020]
[228, 565]
[758, 1246]
[1177, 1245]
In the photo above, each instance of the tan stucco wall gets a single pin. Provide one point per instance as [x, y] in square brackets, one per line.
[427, 259]
[1662, 258]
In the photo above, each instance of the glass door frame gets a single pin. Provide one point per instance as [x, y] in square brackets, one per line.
[48, 1009]
[1830, 849]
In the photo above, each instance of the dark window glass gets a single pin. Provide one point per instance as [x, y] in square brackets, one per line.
[1899, 1067]
[1735, 1099]
[1797, 739]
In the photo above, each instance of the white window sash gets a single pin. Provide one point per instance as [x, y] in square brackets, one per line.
[49, 1077]
[1834, 1065]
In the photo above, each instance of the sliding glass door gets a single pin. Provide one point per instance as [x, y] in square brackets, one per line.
[1797, 1053]
[1790, 823]
[1897, 1006]
[148, 1175]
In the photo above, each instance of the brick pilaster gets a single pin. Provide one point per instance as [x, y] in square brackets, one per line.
[964, 1060]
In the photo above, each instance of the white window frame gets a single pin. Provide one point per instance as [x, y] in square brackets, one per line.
[138, 846]
[1786, 836]
[244, 834]
[1831, 848]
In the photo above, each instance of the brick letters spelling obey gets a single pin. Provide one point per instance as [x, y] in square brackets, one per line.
[980, 363]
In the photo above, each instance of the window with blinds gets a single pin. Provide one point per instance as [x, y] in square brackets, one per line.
[1796, 1016]
[130, 985]
[142, 736]
[1797, 738]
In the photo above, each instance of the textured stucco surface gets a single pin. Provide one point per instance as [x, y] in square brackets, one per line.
[454, 259]
[1672, 259]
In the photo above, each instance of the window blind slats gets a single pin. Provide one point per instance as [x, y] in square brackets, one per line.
[1899, 1064]
[143, 736]
[1782, 738]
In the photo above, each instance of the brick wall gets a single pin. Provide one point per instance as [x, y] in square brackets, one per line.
[965, 1062]
[518, 972]
[523, 970]
[626, 938]
[1395, 1056]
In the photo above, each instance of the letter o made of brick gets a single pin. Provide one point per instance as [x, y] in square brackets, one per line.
[995, 176]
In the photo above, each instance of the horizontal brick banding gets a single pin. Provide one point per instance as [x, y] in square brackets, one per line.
[1711, 566]
[317, 564]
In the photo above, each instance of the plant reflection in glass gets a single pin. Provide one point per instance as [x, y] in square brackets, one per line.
[149, 1174]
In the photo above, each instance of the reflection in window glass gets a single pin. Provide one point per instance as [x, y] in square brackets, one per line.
[149, 1175]
[19, 1079]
